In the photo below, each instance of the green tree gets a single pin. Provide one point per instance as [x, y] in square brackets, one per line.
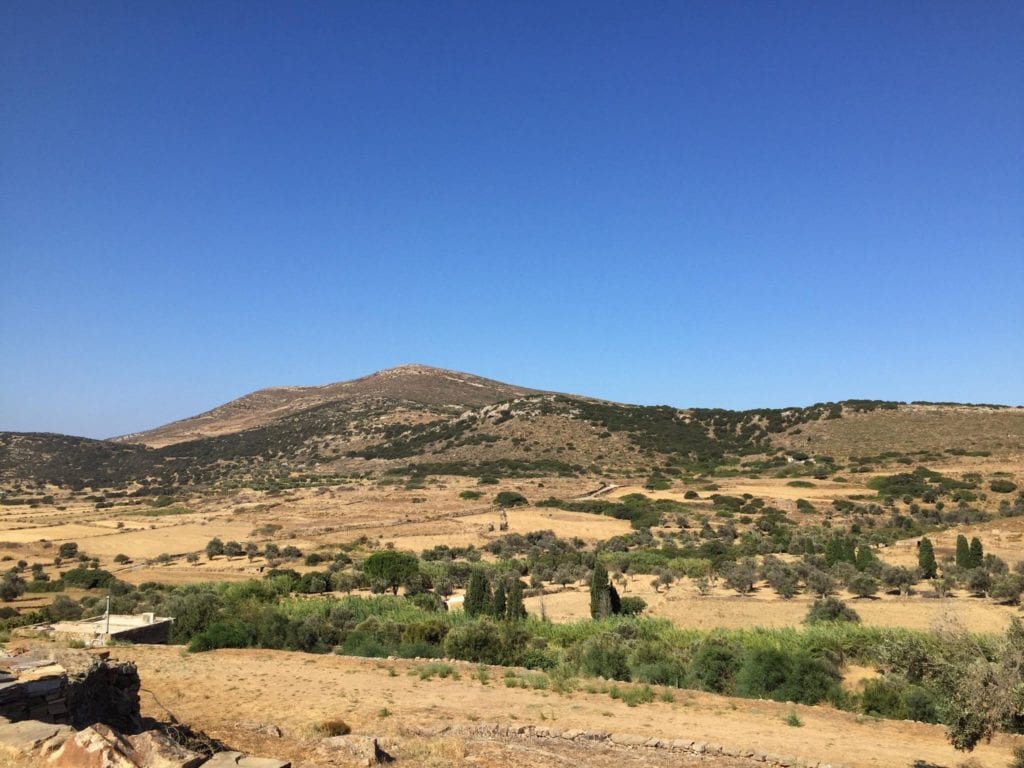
[926, 559]
[67, 550]
[830, 609]
[865, 558]
[977, 554]
[478, 595]
[391, 568]
[12, 586]
[514, 608]
[499, 602]
[963, 552]
[863, 585]
[600, 601]
[233, 549]
[214, 547]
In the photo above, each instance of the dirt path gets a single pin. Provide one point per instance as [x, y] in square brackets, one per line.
[230, 693]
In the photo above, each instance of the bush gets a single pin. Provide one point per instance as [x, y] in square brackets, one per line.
[830, 609]
[713, 664]
[771, 673]
[602, 655]
[507, 499]
[863, 585]
[223, 634]
[470, 495]
[486, 642]
[1002, 486]
[632, 606]
[87, 578]
[332, 728]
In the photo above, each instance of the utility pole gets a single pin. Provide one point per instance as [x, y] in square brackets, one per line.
[108, 616]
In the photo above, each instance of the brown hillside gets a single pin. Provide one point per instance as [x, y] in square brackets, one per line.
[911, 428]
[420, 384]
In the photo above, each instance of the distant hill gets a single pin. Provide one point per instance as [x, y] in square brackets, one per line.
[431, 389]
[414, 421]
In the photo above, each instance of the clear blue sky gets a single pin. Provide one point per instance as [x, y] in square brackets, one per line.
[732, 204]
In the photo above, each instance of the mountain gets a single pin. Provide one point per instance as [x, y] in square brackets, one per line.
[429, 389]
[414, 421]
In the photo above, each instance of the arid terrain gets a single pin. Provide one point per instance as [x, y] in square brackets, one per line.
[463, 473]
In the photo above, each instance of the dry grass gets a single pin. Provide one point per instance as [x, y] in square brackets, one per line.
[225, 689]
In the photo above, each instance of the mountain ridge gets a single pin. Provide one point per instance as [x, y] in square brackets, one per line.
[443, 387]
[416, 420]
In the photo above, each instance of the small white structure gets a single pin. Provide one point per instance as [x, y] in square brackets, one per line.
[100, 630]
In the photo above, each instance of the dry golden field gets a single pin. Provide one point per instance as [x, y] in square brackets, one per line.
[234, 693]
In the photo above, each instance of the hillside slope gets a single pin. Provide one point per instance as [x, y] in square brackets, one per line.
[415, 421]
[414, 384]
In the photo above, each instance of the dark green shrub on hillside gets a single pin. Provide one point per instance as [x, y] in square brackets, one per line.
[602, 655]
[893, 697]
[713, 665]
[231, 633]
[508, 499]
[470, 495]
[830, 609]
[1002, 486]
[487, 642]
[87, 578]
[632, 606]
[770, 673]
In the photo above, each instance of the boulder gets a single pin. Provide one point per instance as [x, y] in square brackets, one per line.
[99, 746]
[153, 749]
[94, 747]
[27, 736]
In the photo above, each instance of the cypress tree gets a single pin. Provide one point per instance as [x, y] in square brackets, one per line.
[514, 608]
[599, 601]
[963, 552]
[614, 602]
[498, 602]
[478, 595]
[835, 551]
[865, 557]
[977, 554]
[926, 559]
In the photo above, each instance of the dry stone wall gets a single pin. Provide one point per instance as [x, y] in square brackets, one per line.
[634, 741]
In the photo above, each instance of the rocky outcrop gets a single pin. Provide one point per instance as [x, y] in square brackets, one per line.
[101, 747]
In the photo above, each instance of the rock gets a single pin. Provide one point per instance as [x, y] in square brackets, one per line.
[628, 740]
[596, 735]
[572, 734]
[653, 743]
[681, 745]
[270, 730]
[31, 735]
[364, 748]
[99, 746]
[224, 760]
[153, 749]
[94, 747]
[263, 762]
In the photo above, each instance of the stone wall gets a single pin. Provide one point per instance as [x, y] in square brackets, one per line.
[633, 741]
[61, 685]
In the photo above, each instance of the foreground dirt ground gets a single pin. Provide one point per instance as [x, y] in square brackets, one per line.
[232, 694]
